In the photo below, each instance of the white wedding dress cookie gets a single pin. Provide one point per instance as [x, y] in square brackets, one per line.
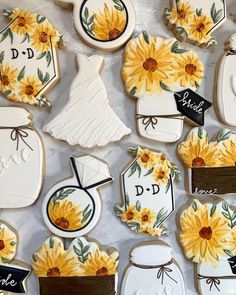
[226, 86]
[21, 159]
[104, 24]
[152, 271]
[87, 119]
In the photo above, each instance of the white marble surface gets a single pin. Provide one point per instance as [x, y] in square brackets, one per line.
[109, 230]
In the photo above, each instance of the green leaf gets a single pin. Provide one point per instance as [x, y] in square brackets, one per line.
[133, 90]
[213, 210]
[168, 185]
[40, 75]
[7, 92]
[48, 58]
[86, 217]
[46, 78]
[175, 48]
[40, 18]
[138, 206]
[86, 210]
[118, 210]
[229, 253]
[86, 12]
[199, 12]
[82, 252]
[118, 5]
[26, 37]
[7, 33]
[13, 243]
[1, 57]
[149, 171]
[225, 206]
[6, 260]
[146, 37]
[223, 135]
[182, 32]
[164, 86]
[21, 74]
[127, 203]
[41, 55]
[7, 12]
[216, 15]
[51, 243]
[194, 206]
[133, 168]
[139, 170]
[200, 132]
[35, 258]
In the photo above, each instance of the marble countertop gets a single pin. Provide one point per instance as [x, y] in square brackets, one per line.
[109, 231]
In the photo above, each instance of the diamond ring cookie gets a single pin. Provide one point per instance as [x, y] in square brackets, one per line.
[85, 267]
[210, 164]
[87, 119]
[21, 159]
[28, 57]
[148, 193]
[163, 76]
[195, 20]
[208, 237]
[226, 86]
[73, 206]
[104, 24]
[152, 268]
[13, 274]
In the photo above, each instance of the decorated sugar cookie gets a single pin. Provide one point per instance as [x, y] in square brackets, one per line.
[87, 119]
[163, 77]
[72, 207]
[13, 275]
[147, 185]
[84, 267]
[210, 164]
[21, 159]
[28, 57]
[105, 24]
[152, 270]
[195, 20]
[208, 237]
[226, 86]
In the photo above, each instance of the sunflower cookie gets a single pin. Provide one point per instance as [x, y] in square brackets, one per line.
[148, 193]
[104, 24]
[21, 159]
[163, 77]
[12, 275]
[28, 57]
[87, 119]
[72, 207]
[152, 268]
[195, 20]
[208, 237]
[84, 266]
[226, 86]
[210, 165]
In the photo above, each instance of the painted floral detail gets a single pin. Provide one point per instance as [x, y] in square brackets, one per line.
[24, 21]
[82, 258]
[228, 152]
[130, 215]
[205, 232]
[29, 88]
[101, 264]
[107, 24]
[152, 231]
[147, 216]
[8, 243]
[197, 152]
[189, 70]
[161, 174]
[146, 158]
[53, 261]
[65, 215]
[41, 38]
[8, 77]
[193, 24]
[182, 14]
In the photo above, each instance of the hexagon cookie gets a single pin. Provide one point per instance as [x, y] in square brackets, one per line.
[147, 186]
[28, 57]
[105, 24]
[195, 20]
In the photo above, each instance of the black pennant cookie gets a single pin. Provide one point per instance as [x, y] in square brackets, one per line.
[192, 105]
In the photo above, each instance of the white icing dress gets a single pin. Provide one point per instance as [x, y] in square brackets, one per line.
[87, 119]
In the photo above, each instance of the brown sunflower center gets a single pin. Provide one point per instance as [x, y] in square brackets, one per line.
[163, 157]
[198, 162]
[29, 90]
[190, 69]
[181, 14]
[206, 233]
[62, 222]
[113, 34]
[102, 272]
[53, 272]
[4, 80]
[145, 218]
[129, 215]
[43, 37]
[2, 245]
[150, 65]
[21, 21]
[144, 158]
[200, 27]
[161, 175]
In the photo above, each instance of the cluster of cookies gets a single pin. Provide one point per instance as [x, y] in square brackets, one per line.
[164, 77]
